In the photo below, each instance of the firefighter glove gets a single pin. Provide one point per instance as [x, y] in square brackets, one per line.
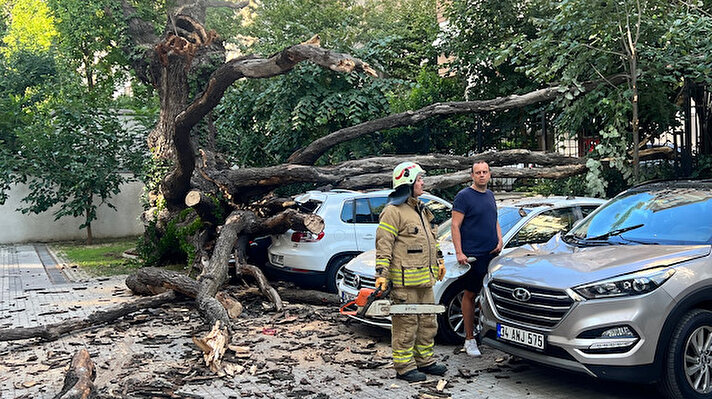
[382, 283]
[441, 269]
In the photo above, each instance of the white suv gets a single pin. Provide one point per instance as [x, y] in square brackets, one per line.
[350, 221]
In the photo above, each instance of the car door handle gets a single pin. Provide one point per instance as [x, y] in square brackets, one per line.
[369, 236]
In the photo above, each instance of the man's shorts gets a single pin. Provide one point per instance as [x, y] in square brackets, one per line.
[478, 269]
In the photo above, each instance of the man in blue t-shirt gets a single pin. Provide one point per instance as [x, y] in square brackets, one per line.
[475, 233]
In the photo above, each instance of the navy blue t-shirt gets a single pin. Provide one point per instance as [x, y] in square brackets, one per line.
[478, 231]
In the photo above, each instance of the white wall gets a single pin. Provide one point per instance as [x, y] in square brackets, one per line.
[17, 227]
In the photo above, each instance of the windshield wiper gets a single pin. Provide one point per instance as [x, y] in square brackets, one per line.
[615, 232]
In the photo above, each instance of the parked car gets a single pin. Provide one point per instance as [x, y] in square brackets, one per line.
[523, 221]
[350, 222]
[626, 294]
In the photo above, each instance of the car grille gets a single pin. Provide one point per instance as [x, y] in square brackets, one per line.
[358, 281]
[545, 308]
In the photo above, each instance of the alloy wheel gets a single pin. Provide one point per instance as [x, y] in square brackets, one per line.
[698, 360]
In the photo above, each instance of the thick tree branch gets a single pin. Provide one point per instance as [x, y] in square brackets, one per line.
[51, 332]
[346, 174]
[256, 67]
[309, 154]
[178, 181]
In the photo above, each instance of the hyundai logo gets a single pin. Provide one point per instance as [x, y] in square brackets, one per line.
[521, 294]
[357, 281]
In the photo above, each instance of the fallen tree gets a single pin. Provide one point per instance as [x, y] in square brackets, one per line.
[202, 181]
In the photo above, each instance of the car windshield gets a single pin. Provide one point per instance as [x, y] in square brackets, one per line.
[659, 215]
[507, 216]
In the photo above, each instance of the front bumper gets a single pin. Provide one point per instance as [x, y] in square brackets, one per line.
[568, 344]
[347, 294]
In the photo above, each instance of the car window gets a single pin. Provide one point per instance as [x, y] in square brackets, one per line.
[544, 226]
[508, 216]
[363, 212]
[667, 216]
[347, 212]
[440, 211]
[587, 209]
[377, 205]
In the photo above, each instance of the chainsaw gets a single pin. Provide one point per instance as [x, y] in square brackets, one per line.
[374, 303]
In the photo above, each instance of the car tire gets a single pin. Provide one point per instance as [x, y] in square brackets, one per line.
[684, 356]
[334, 272]
[450, 327]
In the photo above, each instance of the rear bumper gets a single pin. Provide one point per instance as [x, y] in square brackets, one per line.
[299, 276]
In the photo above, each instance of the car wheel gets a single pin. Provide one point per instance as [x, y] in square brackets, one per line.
[687, 371]
[451, 329]
[335, 271]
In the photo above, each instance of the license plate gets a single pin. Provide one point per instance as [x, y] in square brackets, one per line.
[346, 297]
[520, 336]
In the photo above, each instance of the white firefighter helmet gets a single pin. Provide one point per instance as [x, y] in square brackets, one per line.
[404, 176]
[406, 173]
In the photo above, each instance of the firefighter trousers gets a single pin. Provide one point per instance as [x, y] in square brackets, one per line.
[412, 336]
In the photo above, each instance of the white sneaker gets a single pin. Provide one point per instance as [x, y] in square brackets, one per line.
[471, 348]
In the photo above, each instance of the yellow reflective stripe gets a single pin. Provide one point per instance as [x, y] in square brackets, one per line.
[411, 281]
[382, 261]
[424, 350]
[426, 354]
[419, 281]
[437, 245]
[417, 276]
[388, 228]
[402, 356]
[419, 270]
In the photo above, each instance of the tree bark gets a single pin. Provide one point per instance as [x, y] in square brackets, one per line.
[264, 285]
[375, 172]
[311, 297]
[205, 207]
[79, 380]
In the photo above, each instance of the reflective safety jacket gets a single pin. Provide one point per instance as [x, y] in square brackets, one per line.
[407, 249]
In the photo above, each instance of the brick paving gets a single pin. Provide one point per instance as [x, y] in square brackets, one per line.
[150, 347]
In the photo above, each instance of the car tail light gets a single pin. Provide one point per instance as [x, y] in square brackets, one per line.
[303, 236]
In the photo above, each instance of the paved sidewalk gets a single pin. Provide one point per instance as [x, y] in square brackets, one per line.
[302, 353]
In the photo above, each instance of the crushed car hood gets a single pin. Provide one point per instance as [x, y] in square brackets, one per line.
[364, 264]
[559, 265]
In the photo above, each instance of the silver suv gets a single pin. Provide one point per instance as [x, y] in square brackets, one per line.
[626, 294]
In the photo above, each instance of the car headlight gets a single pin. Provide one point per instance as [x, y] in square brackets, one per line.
[637, 283]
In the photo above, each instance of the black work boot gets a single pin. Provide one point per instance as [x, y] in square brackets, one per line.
[412, 376]
[434, 369]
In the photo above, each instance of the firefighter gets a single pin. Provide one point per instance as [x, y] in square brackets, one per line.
[408, 256]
